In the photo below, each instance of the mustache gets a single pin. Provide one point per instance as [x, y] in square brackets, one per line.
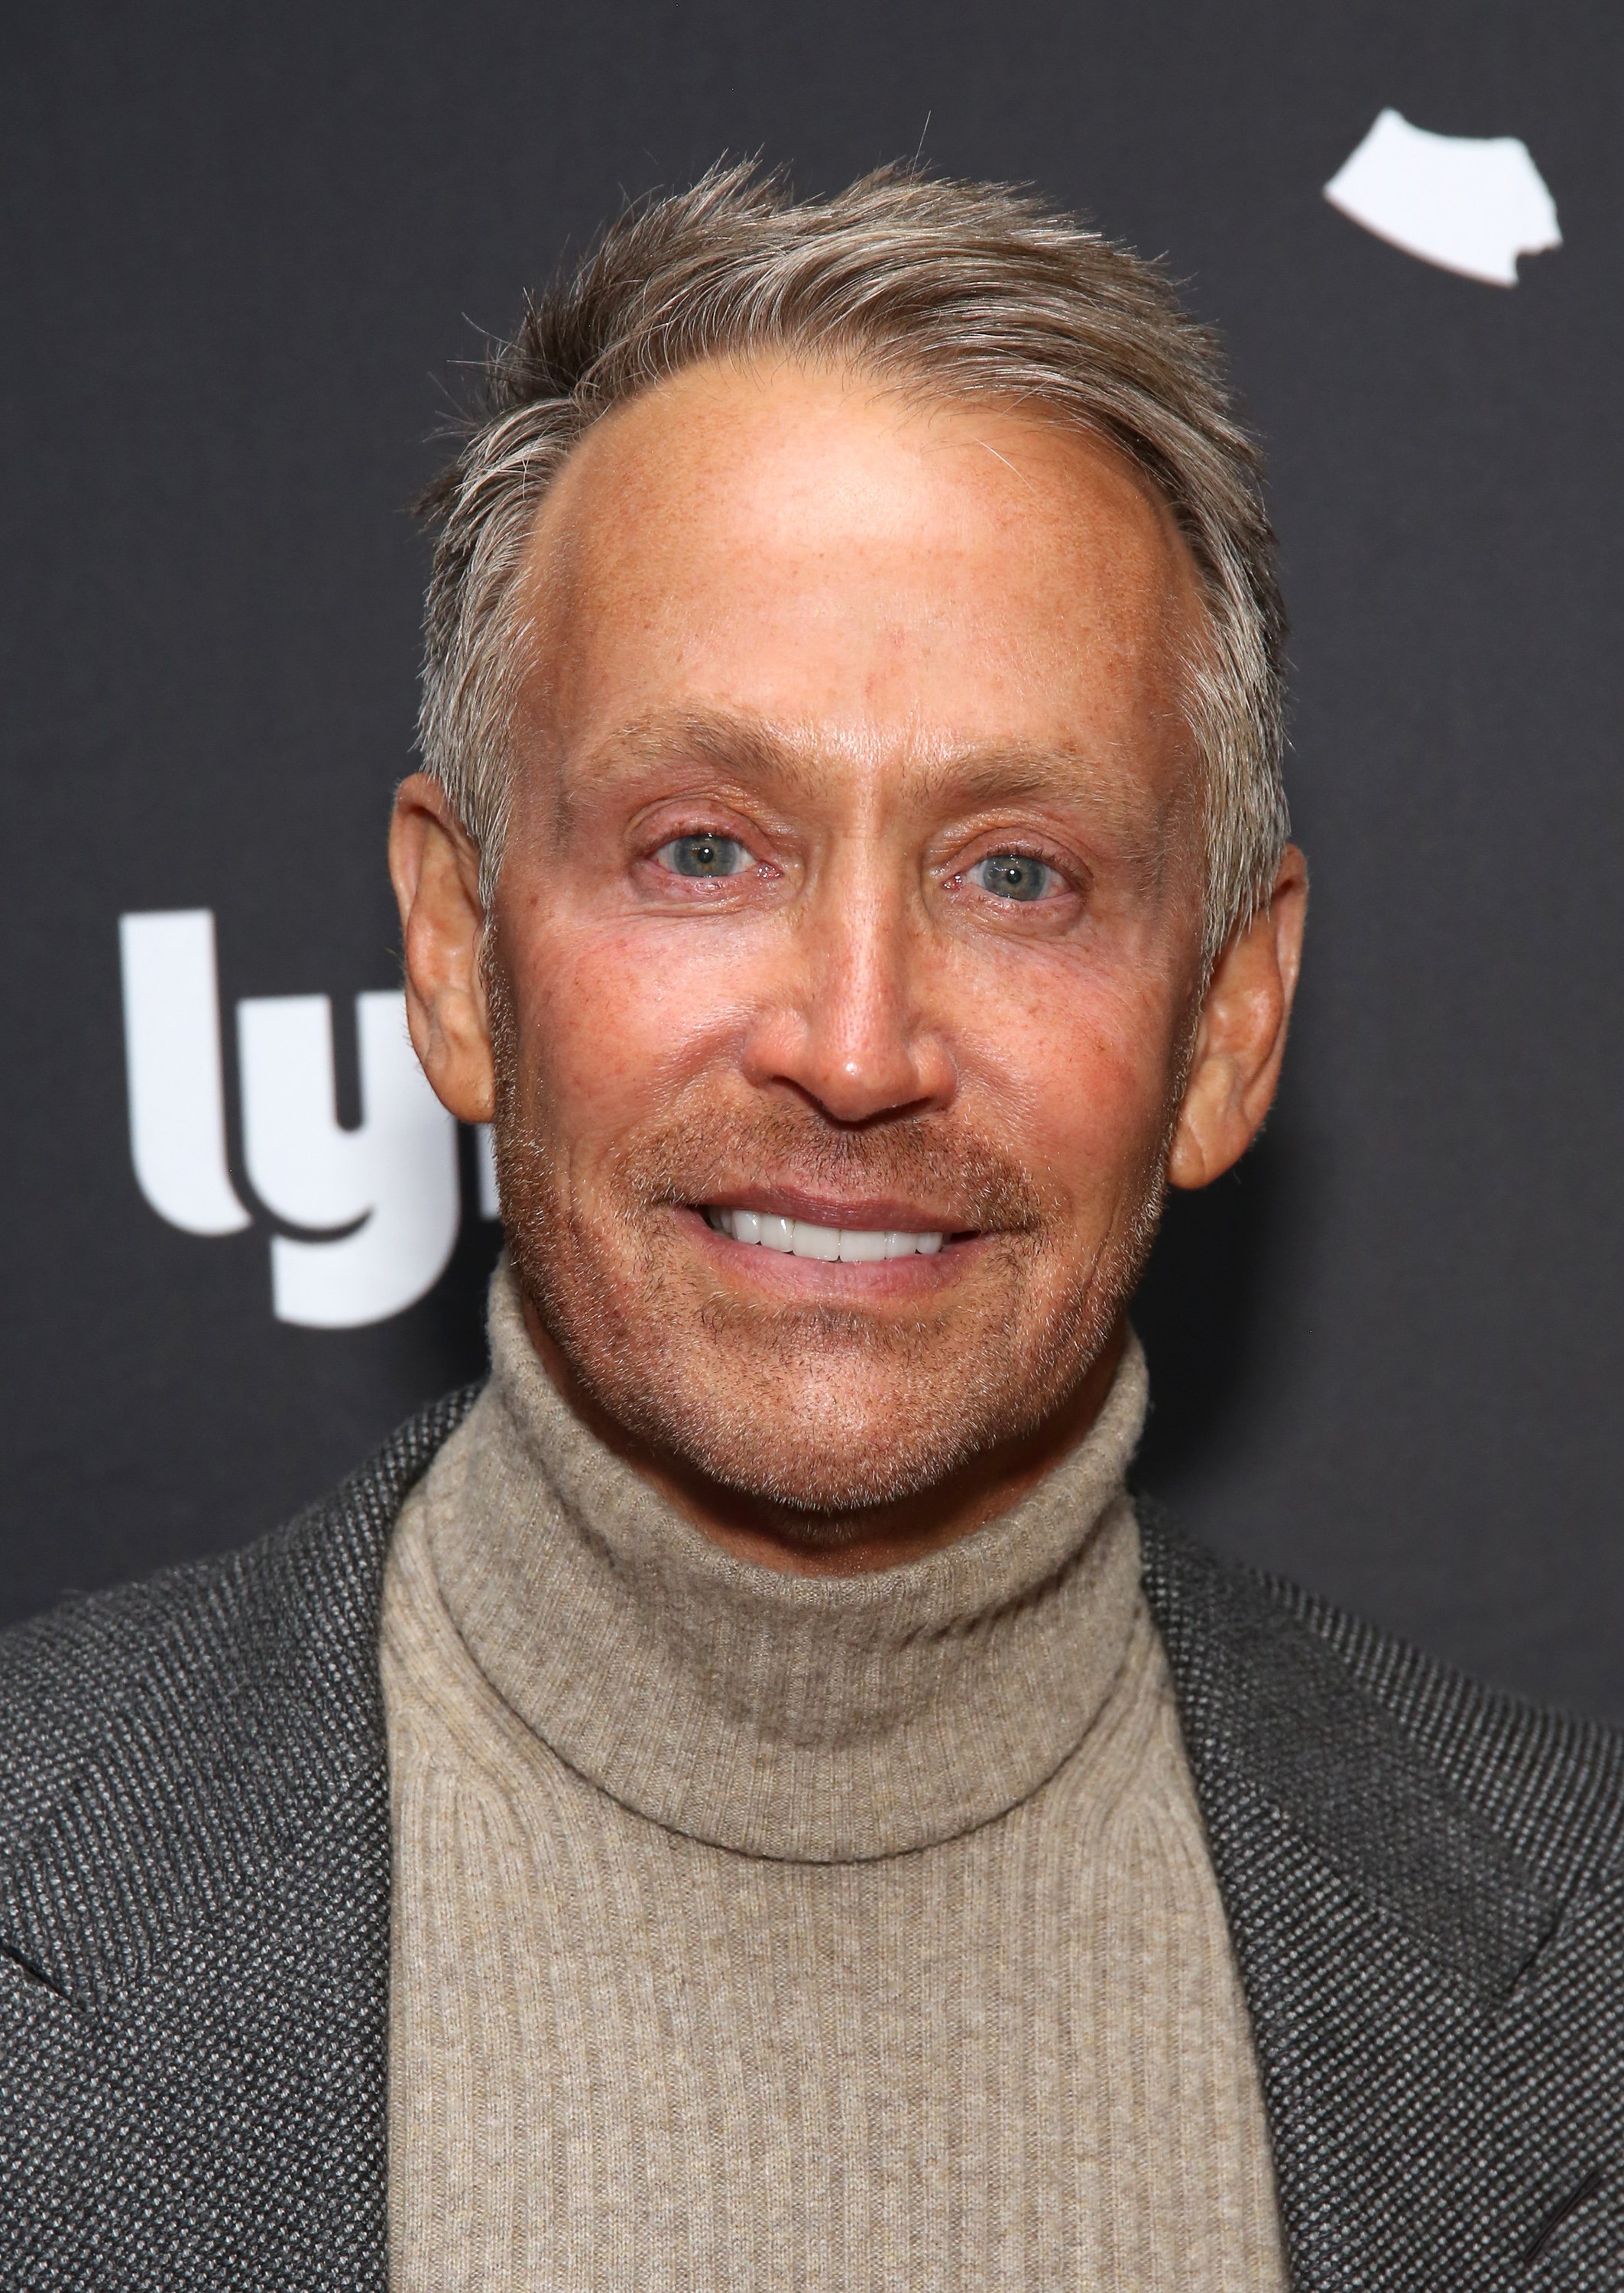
[705, 1155]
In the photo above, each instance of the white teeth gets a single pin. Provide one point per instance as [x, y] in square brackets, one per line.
[800, 1238]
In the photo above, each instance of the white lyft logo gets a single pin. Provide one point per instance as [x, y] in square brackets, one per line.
[1471, 203]
[379, 1205]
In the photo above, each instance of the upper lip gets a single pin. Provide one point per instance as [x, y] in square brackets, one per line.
[869, 1214]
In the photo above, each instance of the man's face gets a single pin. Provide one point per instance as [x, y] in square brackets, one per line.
[852, 890]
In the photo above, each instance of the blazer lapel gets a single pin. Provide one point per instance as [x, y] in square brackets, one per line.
[1433, 2021]
[194, 1940]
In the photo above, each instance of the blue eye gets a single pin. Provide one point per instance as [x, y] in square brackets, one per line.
[1013, 876]
[704, 856]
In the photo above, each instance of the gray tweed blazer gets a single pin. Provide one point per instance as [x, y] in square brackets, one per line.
[1422, 1881]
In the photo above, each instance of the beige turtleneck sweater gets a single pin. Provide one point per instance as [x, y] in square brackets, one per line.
[759, 1930]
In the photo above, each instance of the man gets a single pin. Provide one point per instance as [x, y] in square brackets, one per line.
[743, 1800]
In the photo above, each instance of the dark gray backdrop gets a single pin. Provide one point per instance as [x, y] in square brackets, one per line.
[243, 250]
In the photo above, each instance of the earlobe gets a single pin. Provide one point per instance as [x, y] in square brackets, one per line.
[1241, 1038]
[434, 867]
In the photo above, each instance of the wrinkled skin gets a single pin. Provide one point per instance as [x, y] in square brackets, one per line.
[853, 874]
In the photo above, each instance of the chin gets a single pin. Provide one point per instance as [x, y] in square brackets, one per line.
[829, 1437]
[792, 1469]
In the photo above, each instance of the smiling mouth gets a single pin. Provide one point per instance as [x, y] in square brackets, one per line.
[800, 1238]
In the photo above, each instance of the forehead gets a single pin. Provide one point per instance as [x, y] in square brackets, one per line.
[804, 549]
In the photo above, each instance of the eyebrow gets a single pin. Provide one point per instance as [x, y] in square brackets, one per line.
[740, 746]
[755, 753]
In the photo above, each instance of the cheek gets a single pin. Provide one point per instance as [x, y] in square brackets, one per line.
[615, 1020]
[1080, 1072]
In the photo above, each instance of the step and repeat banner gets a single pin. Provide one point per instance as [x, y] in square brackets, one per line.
[250, 253]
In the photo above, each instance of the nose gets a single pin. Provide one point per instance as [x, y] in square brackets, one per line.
[853, 1025]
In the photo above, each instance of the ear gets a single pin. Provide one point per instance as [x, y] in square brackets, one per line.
[435, 870]
[1241, 1038]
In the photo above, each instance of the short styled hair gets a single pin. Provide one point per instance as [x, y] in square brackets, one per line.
[959, 290]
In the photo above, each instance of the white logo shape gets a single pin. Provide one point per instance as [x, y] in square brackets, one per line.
[171, 1054]
[393, 1181]
[1468, 203]
[379, 1205]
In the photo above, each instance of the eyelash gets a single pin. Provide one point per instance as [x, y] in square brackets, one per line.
[1015, 847]
[1019, 848]
[702, 830]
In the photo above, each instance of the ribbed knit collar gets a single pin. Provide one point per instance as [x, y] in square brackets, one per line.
[813, 1719]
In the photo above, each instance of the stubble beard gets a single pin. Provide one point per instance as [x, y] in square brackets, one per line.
[823, 1410]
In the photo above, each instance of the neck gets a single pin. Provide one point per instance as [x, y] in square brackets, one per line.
[801, 1543]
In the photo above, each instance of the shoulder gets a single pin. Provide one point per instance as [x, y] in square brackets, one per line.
[206, 1666]
[1324, 1708]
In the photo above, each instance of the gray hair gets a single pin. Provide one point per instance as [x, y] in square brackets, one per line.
[962, 289]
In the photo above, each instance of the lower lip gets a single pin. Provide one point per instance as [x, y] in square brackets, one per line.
[782, 1271]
